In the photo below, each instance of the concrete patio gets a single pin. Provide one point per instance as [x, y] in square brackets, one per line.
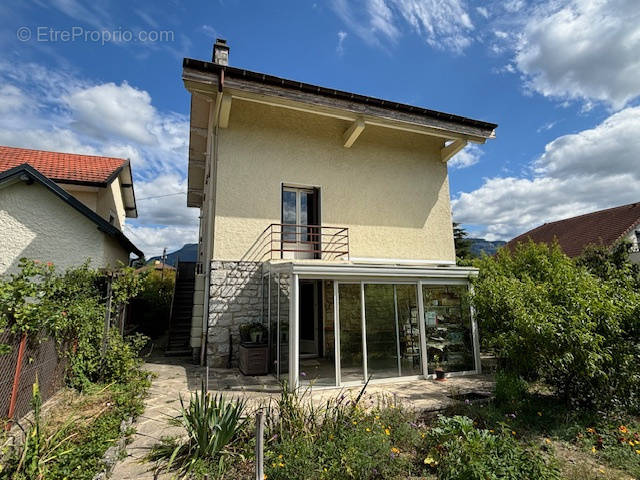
[175, 377]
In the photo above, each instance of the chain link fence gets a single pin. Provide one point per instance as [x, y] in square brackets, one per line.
[18, 373]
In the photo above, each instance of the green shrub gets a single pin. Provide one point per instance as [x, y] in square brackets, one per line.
[456, 449]
[152, 305]
[339, 439]
[550, 318]
[510, 390]
[210, 424]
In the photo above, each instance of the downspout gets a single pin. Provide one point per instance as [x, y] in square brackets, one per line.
[212, 143]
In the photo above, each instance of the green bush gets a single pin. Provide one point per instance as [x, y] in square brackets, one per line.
[510, 389]
[456, 449]
[210, 424]
[339, 440]
[550, 318]
[152, 305]
[70, 307]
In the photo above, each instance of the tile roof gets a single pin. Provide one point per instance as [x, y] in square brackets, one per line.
[63, 167]
[604, 227]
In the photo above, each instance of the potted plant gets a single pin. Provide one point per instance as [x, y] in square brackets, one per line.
[439, 370]
[254, 332]
[253, 353]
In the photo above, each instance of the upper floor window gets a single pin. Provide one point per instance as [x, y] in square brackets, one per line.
[300, 211]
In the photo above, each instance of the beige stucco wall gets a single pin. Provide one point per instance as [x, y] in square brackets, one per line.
[90, 199]
[390, 188]
[110, 199]
[35, 223]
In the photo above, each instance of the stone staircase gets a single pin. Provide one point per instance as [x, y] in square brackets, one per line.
[182, 310]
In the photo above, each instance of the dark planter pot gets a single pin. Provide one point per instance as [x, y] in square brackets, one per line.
[440, 375]
[253, 359]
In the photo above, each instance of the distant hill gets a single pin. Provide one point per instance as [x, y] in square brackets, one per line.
[188, 253]
[480, 245]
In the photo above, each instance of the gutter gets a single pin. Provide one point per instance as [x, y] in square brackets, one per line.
[213, 163]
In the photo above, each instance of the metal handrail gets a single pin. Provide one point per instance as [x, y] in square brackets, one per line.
[324, 242]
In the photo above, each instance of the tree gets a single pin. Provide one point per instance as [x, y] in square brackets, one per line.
[462, 244]
[564, 322]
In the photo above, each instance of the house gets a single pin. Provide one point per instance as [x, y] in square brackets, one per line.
[606, 227]
[325, 215]
[64, 208]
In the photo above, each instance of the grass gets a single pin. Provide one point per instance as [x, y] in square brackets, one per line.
[590, 444]
[85, 426]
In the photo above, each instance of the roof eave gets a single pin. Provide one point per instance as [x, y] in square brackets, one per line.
[72, 201]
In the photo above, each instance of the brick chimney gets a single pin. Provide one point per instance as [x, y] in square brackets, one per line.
[221, 52]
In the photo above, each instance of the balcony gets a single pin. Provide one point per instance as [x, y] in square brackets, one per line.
[290, 241]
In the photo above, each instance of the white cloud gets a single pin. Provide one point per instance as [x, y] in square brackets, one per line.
[582, 50]
[57, 111]
[469, 155]
[109, 109]
[209, 31]
[152, 240]
[514, 5]
[483, 11]
[443, 24]
[577, 173]
[341, 38]
[11, 98]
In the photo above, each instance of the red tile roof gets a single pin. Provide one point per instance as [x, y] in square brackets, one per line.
[62, 167]
[605, 227]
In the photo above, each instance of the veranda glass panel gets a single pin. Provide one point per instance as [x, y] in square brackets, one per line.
[382, 336]
[321, 369]
[273, 323]
[409, 330]
[448, 328]
[350, 317]
[283, 321]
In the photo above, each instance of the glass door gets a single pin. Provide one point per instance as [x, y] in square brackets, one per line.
[299, 213]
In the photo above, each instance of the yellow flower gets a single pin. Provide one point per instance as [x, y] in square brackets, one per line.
[265, 476]
[281, 464]
[430, 461]
[491, 430]
[377, 417]
[623, 429]
[591, 430]
[593, 449]
[547, 440]
[395, 450]
[638, 452]
[368, 429]
[354, 422]
[423, 435]
[513, 432]
[280, 457]
[325, 469]
[539, 414]
[387, 431]
[631, 443]
[601, 470]
[274, 465]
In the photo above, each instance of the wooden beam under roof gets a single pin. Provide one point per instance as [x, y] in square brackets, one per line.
[450, 150]
[353, 132]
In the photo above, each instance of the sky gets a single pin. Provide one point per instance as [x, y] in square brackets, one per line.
[561, 78]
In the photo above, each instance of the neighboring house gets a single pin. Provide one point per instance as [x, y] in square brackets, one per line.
[64, 208]
[605, 227]
[326, 216]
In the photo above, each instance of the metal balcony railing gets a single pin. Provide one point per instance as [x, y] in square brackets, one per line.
[283, 241]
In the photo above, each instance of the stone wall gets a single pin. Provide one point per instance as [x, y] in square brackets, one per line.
[235, 298]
